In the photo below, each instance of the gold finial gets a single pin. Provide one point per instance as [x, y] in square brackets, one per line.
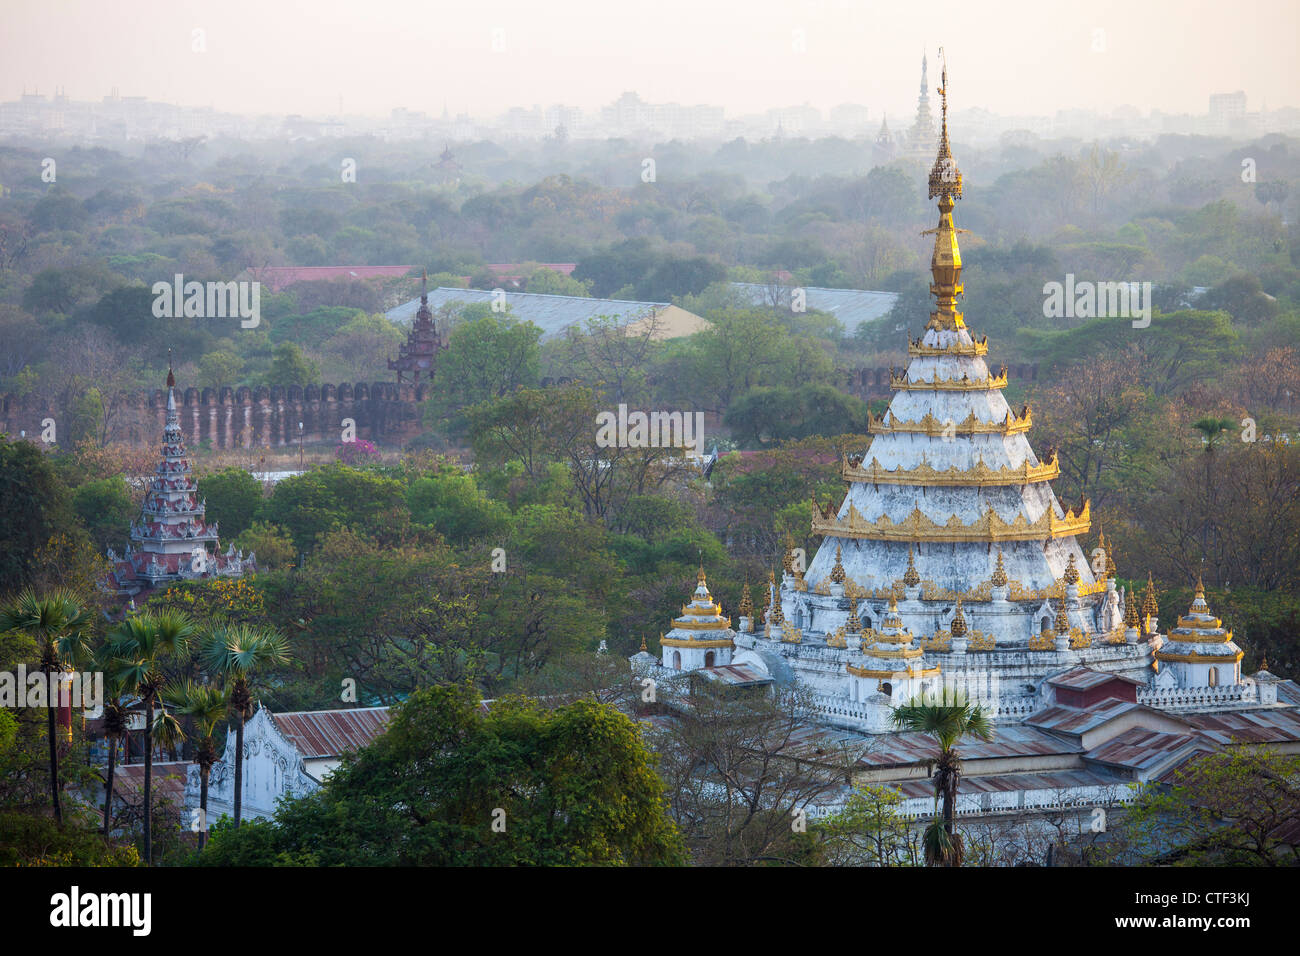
[945, 261]
[1062, 618]
[837, 572]
[999, 579]
[644, 649]
[893, 603]
[777, 616]
[1200, 588]
[1110, 558]
[958, 627]
[1264, 664]
[1131, 609]
[787, 561]
[854, 623]
[746, 602]
[910, 577]
[1071, 575]
[700, 577]
[1149, 605]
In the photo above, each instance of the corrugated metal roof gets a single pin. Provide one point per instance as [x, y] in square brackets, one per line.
[1084, 678]
[735, 675]
[168, 781]
[1141, 749]
[1074, 721]
[889, 750]
[330, 733]
[851, 306]
[550, 313]
[1250, 726]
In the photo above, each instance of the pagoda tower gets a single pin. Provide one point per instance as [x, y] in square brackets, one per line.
[701, 637]
[1200, 651]
[950, 530]
[418, 356]
[920, 140]
[171, 541]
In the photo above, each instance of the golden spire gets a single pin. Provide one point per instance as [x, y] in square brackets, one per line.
[1200, 589]
[999, 579]
[1149, 605]
[1110, 558]
[1071, 575]
[787, 562]
[1131, 609]
[837, 572]
[777, 616]
[945, 261]
[854, 623]
[958, 622]
[1062, 618]
[643, 647]
[910, 577]
[700, 577]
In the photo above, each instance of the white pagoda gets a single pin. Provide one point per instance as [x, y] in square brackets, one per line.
[171, 541]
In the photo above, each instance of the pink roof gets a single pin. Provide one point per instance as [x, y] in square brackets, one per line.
[329, 733]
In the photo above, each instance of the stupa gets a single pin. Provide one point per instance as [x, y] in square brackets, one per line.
[171, 540]
[950, 552]
[417, 356]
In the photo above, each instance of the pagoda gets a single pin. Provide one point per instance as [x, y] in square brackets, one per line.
[171, 541]
[701, 637]
[949, 555]
[418, 356]
[920, 140]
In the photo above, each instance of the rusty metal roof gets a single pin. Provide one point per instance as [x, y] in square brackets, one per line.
[1249, 726]
[889, 750]
[330, 733]
[1076, 721]
[736, 675]
[1140, 749]
[1083, 678]
[168, 781]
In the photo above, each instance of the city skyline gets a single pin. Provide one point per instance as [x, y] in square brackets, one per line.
[314, 60]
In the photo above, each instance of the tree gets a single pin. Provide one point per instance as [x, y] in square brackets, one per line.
[947, 718]
[452, 783]
[60, 623]
[868, 831]
[105, 508]
[335, 496]
[289, 367]
[233, 497]
[486, 357]
[451, 502]
[240, 653]
[140, 647]
[271, 544]
[219, 368]
[1237, 807]
[34, 507]
[116, 727]
[206, 705]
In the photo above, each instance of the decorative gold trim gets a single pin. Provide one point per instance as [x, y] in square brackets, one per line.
[916, 347]
[970, 425]
[939, 643]
[980, 476]
[677, 642]
[686, 625]
[1078, 640]
[1197, 658]
[903, 384]
[988, 527]
[887, 675]
[1043, 642]
[979, 641]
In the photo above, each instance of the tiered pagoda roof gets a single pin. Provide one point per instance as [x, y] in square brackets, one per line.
[171, 540]
[417, 357]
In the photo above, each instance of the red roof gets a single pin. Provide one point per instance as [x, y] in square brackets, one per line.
[330, 733]
[168, 781]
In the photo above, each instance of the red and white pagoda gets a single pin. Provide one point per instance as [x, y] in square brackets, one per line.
[171, 541]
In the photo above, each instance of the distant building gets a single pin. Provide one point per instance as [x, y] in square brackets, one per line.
[851, 306]
[555, 313]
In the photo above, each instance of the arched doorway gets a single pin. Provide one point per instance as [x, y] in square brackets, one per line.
[708, 658]
[677, 660]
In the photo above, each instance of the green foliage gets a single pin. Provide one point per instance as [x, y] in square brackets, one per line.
[451, 502]
[487, 357]
[105, 508]
[34, 507]
[569, 786]
[27, 840]
[767, 416]
[233, 497]
[290, 367]
[271, 544]
[336, 496]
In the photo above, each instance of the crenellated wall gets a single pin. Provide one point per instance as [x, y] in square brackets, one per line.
[265, 416]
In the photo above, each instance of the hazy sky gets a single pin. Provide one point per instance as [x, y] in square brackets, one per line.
[301, 56]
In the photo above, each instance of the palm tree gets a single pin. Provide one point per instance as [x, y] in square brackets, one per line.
[116, 725]
[946, 719]
[207, 706]
[238, 652]
[140, 646]
[60, 622]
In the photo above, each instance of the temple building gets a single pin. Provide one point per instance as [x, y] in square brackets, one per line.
[171, 541]
[417, 357]
[950, 564]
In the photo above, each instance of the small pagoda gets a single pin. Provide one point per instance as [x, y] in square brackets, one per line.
[418, 356]
[171, 541]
